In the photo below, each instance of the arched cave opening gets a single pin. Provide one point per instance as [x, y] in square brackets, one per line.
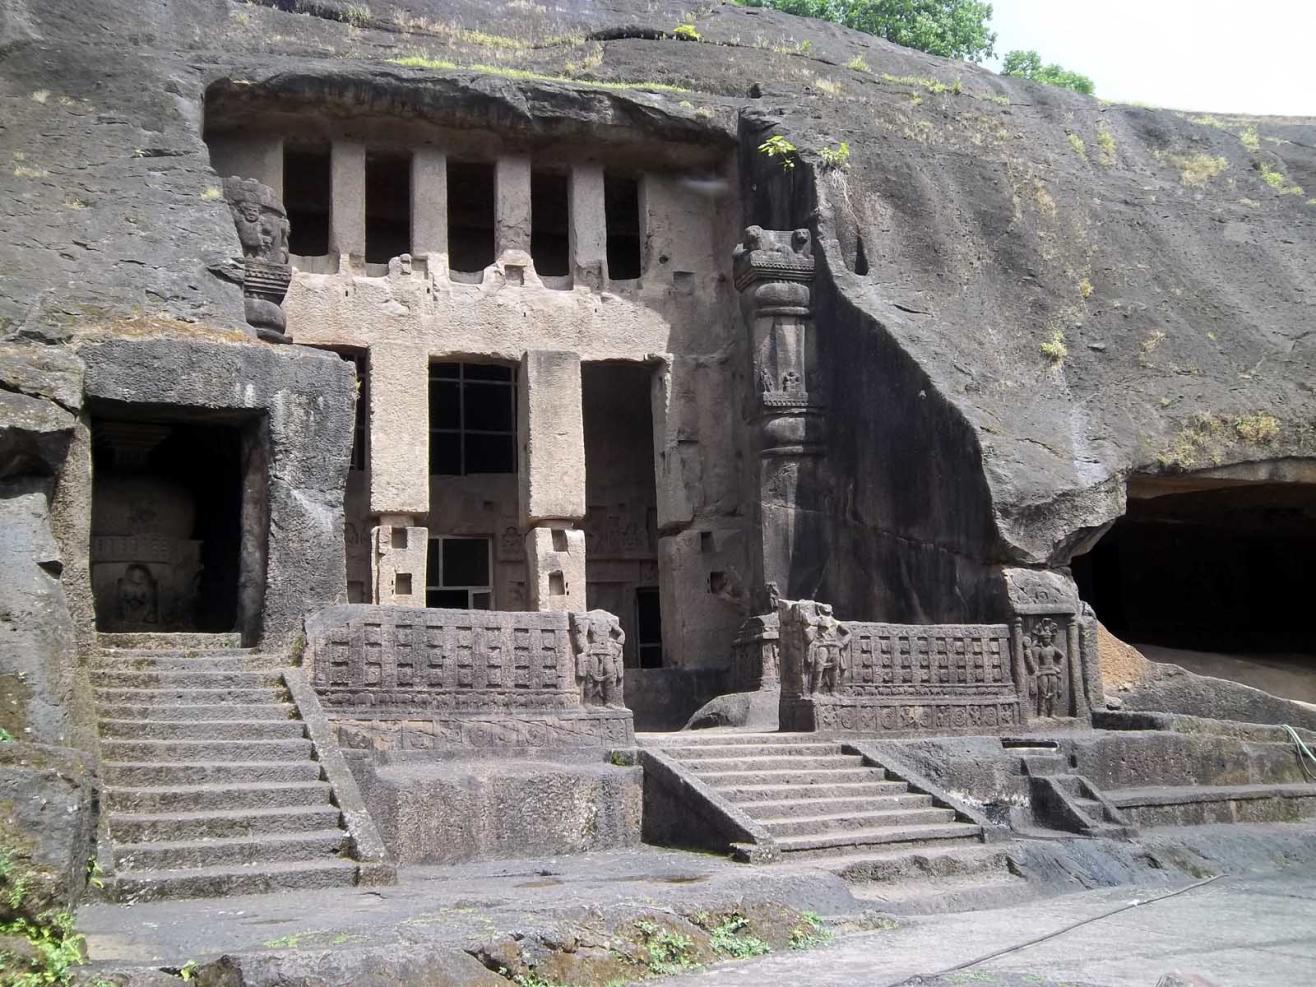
[1225, 571]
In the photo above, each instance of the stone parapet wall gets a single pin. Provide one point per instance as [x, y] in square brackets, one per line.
[426, 680]
[850, 676]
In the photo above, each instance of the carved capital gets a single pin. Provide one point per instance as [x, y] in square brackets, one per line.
[262, 225]
[774, 271]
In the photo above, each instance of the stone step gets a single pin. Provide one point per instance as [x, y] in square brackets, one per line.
[145, 661]
[142, 827]
[721, 765]
[696, 738]
[200, 679]
[751, 793]
[264, 848]
[176, 641]
[202, 729]
[699, 752]
[218, 797]
[798, 808]
[861, 839]
[205, 750]
[206, 882]
[213, 711]
[912, 864]
[815, 776]
[154, 773]
[851, 822]
[166, 697]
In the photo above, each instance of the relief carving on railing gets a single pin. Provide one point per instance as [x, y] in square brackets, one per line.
[598, 640]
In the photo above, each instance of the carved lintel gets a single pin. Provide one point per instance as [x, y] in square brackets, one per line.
[262, 225]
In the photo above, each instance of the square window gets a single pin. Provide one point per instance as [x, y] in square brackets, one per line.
[465, 562]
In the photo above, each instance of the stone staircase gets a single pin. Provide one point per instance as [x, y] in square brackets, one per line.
[813, 799]
[211, 786]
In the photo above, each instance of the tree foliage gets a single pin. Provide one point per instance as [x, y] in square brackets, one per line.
[951, 28]
[1028, 65]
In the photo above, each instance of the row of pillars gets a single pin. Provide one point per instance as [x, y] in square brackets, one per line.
[262, 159]
[551, 494]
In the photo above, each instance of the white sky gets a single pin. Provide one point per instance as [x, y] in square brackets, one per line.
[1222, 55]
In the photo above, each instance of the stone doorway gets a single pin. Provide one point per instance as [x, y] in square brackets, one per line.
[621, 495]
[167, 532]
[1215, 578]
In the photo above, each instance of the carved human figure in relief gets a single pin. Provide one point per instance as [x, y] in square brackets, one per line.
[598, 640]
[791, 382]
[1045, 662]
[138, 598]
[826, 651]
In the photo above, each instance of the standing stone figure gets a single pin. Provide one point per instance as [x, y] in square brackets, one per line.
[826, 651]
[263, 229]
[1045, 662]
[597, 639]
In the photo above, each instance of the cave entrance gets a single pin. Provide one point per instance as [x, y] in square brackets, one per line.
[169, 552]
[621, 497]
[1216, 578]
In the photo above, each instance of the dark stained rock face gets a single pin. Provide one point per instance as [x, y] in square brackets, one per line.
[1025, 296]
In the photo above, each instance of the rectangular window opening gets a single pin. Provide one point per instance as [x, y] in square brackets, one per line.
[549, 240]
[307, 188]
[388, 206]
[470, 216]
[459, 572]
[621, 212]
[648, 627]
[472, 418]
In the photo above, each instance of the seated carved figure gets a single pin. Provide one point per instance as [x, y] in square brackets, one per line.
[137, 598]
[598, 641]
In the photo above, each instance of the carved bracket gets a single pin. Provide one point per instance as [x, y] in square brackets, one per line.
[263, 229]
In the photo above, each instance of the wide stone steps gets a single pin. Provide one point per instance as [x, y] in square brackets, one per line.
[862, 839]
[799, 762]
[143, 827]
[847, 822]
[806, 807]
[212, 787]
[205, 750]
[206, 882]
[789, 776]
[168, 774]
[694, 753]
[145, 661]
[167, 699]
[197, 711]
[807, 793]
[198, 798]
[165, 679]
[264, 848]
[190, 729]
[811, 797]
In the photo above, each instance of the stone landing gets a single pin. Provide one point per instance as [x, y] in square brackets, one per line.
[211, 782]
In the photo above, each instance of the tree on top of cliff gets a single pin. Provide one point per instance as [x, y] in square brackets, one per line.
[950, 28]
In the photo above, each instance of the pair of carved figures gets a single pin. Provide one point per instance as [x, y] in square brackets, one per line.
[1044, 660]
[598, 642]
[826, 650]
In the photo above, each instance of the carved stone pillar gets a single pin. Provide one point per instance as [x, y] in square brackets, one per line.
[263, 228]
[1049, 644]
[774, 274]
